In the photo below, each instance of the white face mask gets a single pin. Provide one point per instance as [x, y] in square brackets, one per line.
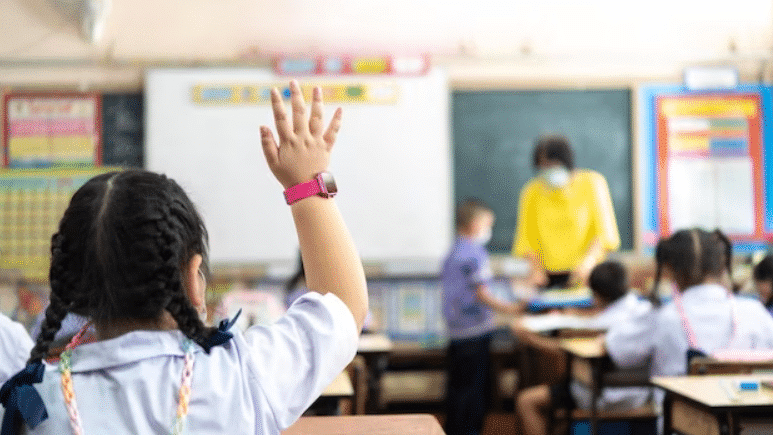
[556, 177]
[484, 237]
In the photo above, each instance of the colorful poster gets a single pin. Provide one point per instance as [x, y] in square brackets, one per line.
[52, 130]
[709, 172]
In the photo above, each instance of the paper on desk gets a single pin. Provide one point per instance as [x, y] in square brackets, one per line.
[554, 322]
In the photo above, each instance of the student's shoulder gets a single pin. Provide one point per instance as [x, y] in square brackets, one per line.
[666, 316]
[750, 305]
[589, 178]
[9, 326]
[531, 187]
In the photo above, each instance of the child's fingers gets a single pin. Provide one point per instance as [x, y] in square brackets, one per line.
[332, 129]
[280, 117]
[270, 149]
[299, 109]
[315, 121]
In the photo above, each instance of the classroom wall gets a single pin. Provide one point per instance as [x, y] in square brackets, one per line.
[513, 44]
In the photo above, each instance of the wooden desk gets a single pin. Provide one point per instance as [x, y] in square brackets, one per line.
[329, 402]
[373, 343]
[375, 349]
[710, 405]
[406, 424]
[340, 388]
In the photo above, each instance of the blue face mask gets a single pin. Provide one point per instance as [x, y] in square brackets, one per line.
[556, 177]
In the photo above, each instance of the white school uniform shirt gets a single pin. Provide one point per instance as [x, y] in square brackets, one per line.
[259, 382]
[660, 337]
[628, 308]
[15, 347]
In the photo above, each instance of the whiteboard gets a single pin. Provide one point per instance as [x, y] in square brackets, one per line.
[392, 163]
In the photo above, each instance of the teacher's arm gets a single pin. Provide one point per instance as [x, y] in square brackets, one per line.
[606, 237]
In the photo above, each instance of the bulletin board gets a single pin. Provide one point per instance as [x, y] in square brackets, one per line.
[392, 160]
[704, 163]
[52, 130]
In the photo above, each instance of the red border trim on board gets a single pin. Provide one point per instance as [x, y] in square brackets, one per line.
[755, 154]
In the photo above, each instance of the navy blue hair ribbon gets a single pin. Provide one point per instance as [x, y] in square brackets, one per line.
[221, 336]
[21, 400]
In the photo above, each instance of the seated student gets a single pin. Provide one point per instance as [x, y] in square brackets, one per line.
[468, 306]
[130, 253]
[704, 316]
[609, 284]
[763, 281]
[15, 346]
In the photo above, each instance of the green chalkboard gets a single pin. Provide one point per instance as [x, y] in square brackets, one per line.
[123, 130]
[494, 133]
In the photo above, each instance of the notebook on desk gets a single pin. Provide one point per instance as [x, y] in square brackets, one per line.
[579, 297]
[543, 323]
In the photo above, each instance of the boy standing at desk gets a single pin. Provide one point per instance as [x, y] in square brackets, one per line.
[468, 307]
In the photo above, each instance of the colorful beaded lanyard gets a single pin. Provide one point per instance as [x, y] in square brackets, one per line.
[65, 368]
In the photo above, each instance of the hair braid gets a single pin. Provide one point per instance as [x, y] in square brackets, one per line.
[188, 320]
[61, 283]
[171, 246]
[55, 313]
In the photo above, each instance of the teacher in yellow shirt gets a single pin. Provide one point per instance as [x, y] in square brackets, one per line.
[566, 223]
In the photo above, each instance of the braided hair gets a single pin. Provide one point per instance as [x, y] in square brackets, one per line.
[693, 256]
[120, 252]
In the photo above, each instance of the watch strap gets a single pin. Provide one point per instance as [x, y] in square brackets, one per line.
[304, 190]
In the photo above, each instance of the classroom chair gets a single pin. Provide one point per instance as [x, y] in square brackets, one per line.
[636, 421]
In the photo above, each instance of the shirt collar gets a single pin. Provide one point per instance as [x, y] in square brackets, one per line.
[705, 292]
[127, 348]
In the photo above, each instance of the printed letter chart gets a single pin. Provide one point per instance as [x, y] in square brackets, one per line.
[31, 204]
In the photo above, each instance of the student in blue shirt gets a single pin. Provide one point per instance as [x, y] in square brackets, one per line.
[468, 306]
[130, 254]
[763, 281]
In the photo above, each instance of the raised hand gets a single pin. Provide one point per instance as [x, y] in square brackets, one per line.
[304, 144]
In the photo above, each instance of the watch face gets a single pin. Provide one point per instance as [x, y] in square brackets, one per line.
[329, 182]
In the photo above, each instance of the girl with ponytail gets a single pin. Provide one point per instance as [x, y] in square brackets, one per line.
[704, 316]
[130, 255]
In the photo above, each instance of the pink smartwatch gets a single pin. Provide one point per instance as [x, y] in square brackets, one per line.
[323, 185]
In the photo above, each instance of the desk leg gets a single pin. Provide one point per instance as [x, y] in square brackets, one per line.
[377, 365]
[567, 382]
[668, 427]
[595, 390]
[731, 426]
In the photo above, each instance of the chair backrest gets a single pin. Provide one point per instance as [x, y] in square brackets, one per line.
[712, 366]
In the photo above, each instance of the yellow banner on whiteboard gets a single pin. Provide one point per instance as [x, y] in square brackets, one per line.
[260, 94]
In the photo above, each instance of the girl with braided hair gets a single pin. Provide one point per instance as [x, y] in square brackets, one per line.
[704, 316]
[131, 255]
